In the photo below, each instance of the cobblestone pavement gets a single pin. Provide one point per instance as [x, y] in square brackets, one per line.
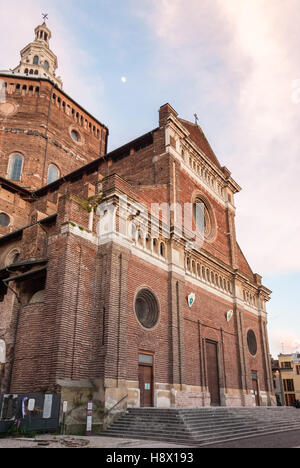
[290, 439]
[50, 441]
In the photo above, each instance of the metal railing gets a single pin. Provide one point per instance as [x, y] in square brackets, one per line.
[113, 407]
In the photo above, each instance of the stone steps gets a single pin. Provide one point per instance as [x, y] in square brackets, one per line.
[204, 425]
[197, 431]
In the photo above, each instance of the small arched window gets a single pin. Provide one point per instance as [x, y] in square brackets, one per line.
[46, 65]
[53, 174]
[37, 297]
[35, 60]
[15, 167]
[2, 352]
[155, 246]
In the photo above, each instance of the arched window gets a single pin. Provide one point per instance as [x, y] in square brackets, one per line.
[37, 297]
[15, 167]
[35, 60]
[155, 246]
[2, 352]
[53, 174]
[201, 216]
[46, 65]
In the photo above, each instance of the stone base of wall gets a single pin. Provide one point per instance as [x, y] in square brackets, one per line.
[104, 397]
[267, 399]
[191, 397]
[235, 398]
[111, 399]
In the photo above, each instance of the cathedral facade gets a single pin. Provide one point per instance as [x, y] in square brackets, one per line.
[105, 295]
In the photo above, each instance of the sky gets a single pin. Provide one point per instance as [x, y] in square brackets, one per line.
[235, 63]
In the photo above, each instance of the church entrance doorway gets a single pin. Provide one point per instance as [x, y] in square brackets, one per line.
[146, 380]
[213, 372]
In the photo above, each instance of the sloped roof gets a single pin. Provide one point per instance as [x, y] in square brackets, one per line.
[197, 135]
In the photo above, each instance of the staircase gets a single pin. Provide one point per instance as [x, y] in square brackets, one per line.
[202, 426]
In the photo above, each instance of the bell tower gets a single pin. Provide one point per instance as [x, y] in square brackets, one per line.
[38, 59]
[44, 133]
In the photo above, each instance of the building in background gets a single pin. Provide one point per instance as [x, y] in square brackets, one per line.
[289, 368]
[123, 317]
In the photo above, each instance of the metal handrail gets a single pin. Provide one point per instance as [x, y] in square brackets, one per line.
[113, 407]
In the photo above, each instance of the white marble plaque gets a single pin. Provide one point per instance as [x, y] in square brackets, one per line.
[47, 406]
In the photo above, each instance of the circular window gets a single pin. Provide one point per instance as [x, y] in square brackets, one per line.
[4, 220]
[252, 343]
[146, 308]
[6, 108]
[12, 257]
[75, 136]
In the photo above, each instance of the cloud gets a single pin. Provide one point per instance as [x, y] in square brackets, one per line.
[283, 341]
[242, 65]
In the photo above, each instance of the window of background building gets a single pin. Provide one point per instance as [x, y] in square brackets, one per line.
[287, 365]
[288, 385]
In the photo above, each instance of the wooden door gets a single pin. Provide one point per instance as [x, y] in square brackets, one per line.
[290, 399]
[146, 385]
[213, 372]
